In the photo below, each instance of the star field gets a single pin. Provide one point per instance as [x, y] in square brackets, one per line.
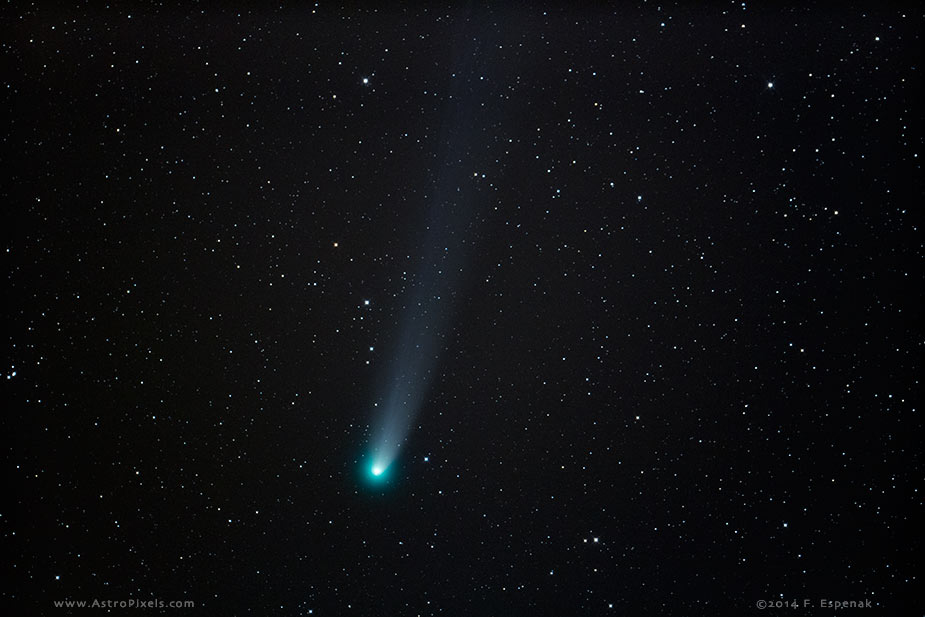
[666, 260]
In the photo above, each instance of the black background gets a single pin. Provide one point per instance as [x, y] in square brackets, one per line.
[688, 324]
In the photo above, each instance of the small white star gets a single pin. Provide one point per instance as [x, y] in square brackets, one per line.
[366, 81]
[365, 302]
[770, 84]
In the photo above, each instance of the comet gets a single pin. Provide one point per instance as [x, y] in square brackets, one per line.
[439, 255]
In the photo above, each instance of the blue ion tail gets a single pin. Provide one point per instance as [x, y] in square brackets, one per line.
[440, 254]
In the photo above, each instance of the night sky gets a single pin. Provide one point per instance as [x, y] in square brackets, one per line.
[639, 291]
